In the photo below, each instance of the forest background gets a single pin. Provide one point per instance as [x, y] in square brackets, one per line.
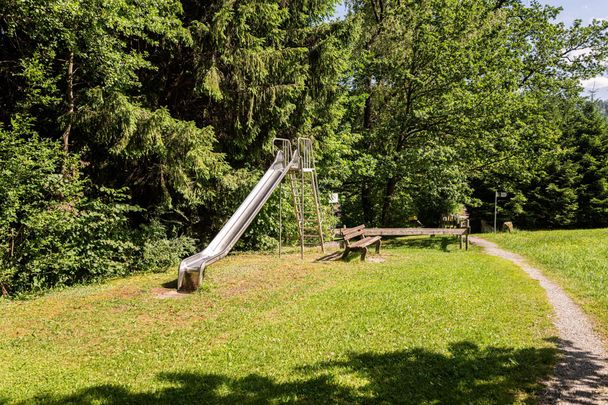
[132, 129]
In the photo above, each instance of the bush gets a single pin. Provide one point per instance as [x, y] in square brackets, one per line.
[159, 252]
[51, 232]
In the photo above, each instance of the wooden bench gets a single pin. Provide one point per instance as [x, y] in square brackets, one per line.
[350, 235]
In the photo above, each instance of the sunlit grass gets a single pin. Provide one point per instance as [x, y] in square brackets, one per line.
[425, 326]
[576, 259]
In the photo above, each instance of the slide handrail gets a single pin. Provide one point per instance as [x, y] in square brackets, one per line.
[282, 144]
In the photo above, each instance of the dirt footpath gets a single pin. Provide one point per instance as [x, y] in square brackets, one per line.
[581, 375]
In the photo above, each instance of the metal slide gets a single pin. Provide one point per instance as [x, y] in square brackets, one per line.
[191, 269]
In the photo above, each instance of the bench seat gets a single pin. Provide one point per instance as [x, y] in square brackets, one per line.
[369, 240]
[350, 243]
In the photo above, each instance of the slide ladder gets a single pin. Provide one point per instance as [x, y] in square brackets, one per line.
[305, 191]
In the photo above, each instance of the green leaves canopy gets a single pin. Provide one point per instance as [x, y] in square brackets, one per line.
[473, 77]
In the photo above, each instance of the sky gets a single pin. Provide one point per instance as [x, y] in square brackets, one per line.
[585, 10]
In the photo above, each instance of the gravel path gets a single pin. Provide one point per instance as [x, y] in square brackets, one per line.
[581, 374]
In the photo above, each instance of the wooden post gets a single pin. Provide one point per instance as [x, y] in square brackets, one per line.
[363, 254]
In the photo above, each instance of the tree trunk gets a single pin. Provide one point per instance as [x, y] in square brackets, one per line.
[366, 200]
[70, 100]
[367, 112]
[366, 205]
[388, 196]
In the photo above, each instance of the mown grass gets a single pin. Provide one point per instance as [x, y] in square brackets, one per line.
[576, 259]
[431, 324]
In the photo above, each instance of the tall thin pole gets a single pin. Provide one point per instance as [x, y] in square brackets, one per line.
[280, 216]
[495, 208]
[302, 157]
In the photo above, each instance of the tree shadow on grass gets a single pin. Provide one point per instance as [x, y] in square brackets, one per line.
[579, 376]
[444, 243]
[467, 374]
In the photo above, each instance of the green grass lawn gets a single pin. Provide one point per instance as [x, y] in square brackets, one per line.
[431, 324]
[577, 260]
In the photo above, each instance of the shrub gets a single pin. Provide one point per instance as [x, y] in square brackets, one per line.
[51, 232]
[158, 252]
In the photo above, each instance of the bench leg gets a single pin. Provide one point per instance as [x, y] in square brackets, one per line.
[460, 240]
[345, 254]
[467, 241]
[363, 253]
[378, 246]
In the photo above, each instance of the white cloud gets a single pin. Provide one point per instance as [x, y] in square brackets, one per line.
[572, 56]
[579, 52]
[598, 83]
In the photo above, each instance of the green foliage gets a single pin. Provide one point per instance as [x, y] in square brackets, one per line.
[472, 77]
[57, 230]
[162, 98]
[565, 186]
[587, 132]
[552, 200]
[52, 234]
[54, 51]
[99, 34]
[265, 69]
[158, 253]
[416, 107]
[173, 158]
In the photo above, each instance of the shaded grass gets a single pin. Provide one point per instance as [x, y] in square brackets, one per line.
[425, 326]
[444, 243]
[576, 259]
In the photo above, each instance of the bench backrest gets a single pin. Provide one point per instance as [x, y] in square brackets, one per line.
[351, 233]
[344, 231]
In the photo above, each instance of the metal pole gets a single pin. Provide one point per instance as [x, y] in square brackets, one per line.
[302, 161]
[280, 216]
[495, 208]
